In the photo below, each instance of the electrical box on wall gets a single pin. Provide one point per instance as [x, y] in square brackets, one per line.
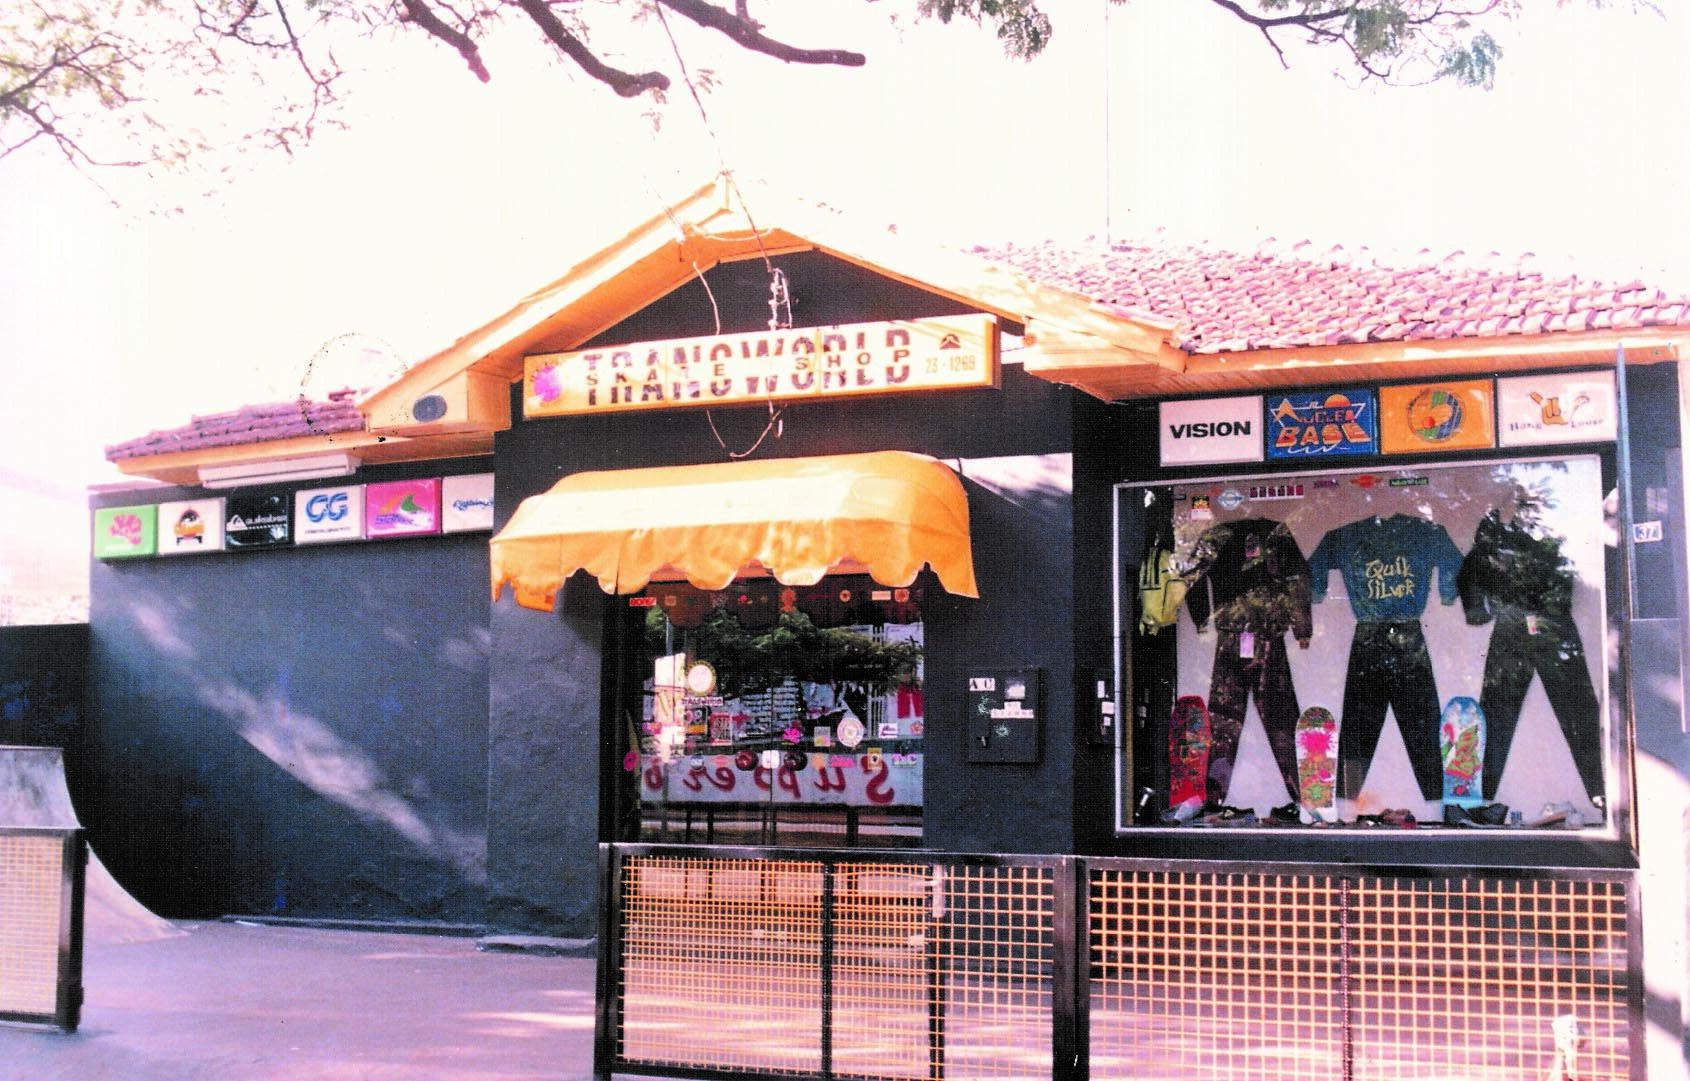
[1003, 710]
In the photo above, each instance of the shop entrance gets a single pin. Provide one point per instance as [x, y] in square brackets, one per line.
[770, 714]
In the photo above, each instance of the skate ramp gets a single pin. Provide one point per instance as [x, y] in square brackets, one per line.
[33, 793]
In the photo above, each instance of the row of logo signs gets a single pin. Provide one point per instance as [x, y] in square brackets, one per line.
[1475, 414]
[400, 508]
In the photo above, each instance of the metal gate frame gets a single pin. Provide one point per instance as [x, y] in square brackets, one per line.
[1061, 986]
[42, 877]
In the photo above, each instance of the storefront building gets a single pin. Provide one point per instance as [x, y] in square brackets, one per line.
[1164, 654]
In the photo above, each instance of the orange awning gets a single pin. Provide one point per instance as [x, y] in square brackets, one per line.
[887, 512]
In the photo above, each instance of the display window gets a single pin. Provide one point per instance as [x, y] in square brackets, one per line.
[776, 714]
[1374, 647]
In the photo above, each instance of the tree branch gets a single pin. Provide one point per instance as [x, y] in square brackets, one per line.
[423, 16]
[748, 34]
[626, 84]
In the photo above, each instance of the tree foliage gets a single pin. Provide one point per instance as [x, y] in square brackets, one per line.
[86, 75]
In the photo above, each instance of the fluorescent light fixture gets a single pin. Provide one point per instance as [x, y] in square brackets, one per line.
[339, 464]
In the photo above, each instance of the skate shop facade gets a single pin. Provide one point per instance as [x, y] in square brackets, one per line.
[902, 662]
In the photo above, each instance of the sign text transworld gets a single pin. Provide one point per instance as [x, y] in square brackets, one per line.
[836, 361]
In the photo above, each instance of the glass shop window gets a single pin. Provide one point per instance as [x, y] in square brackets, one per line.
[1419, 646]
[775, 714]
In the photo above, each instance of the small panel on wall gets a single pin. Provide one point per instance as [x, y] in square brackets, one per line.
[257, 521]
[190, 527]
[1577, 407]
[1429, 417]
[1324, 424]
[467, 503]
[402, 508]
[1002, 722]
[1211, 430]
[121, 532]
[329, 514]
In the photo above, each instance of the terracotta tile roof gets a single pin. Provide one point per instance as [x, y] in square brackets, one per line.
[249, 424]
[1229, 302]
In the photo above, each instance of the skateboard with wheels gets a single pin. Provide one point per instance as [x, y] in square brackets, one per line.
[1461, 745]
[1188, 754]
[1317, 764]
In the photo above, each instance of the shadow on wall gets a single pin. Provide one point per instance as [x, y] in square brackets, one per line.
[268, 748]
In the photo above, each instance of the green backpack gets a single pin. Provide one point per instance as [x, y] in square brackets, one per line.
[1160, 591]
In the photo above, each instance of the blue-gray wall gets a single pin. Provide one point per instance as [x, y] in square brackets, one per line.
[300, 732]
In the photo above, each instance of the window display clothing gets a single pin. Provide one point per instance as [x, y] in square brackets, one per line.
[1387, 565]
[1251, 576]
[1522, 580]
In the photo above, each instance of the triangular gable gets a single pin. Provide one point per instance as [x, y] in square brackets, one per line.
[465, 387]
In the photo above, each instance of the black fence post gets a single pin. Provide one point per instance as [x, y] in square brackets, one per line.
[1071, 971]
[607, 984]
[826, 961]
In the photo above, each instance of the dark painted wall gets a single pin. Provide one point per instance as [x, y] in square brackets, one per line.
[552, 739]
[299, 732]
[42, 686]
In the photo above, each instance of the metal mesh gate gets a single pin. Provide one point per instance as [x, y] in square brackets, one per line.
[41, 925]
[898, 967]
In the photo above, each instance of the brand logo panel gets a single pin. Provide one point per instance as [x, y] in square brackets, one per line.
[328, 514]
[402, 508]
[1422, 417]
[1578, 407]
[190, 527]
[1322, 425]
[121, 532]
[467, 503]
[1211, 430]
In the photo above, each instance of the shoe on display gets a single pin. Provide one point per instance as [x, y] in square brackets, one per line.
[1289, 813]
[1223, 815]
[1181, 813]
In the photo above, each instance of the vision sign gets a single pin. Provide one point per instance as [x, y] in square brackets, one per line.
[1211, 430]
[780, 365]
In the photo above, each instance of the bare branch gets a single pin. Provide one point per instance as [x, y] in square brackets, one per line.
[748, 34]
[424, 17]
[626, 84]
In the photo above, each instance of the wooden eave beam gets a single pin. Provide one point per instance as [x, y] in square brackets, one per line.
[182, 467]
[1210, 373]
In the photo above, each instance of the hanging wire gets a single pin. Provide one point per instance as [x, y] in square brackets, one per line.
[780, 297]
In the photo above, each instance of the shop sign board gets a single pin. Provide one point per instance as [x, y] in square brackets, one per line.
[800, 362]
[402, 508]
[257, 521]
[1576, 407]
[1323, 424]
[120, 532]
[329, 514]
[1211, 430]
[868, 777]
[468, 503]
[190, 527]
[1426, 417]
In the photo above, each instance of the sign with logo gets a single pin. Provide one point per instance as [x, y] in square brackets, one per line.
[1211, 430]
[1423, 417]
[468, 503]
[1578, 407]
[328, 514]
[190, 527]
[402, 508]
[257, 521]
[1322, 425]
[120, 532]
[801, 362]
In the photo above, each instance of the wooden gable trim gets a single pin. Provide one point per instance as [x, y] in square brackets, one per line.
[1112, 378]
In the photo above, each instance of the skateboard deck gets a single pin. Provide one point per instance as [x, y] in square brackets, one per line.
[1461, 744]
[1317, 764]
[1188, 751]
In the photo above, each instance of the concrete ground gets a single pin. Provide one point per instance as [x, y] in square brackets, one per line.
[237, 1002]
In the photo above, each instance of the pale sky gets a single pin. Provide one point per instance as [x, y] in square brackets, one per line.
[446, 200]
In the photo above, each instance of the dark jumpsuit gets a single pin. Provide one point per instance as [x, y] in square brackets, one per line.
[1253, 577]
[1387, 564]
[1524, 582]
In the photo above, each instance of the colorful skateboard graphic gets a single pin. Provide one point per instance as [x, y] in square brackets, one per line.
[1461, 743]
[1317, 763]
[1188, 751]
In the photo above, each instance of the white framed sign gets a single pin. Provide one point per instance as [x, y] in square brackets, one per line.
[329, 514]
[1211, 430]
[1557, 407]
[190, 527]
[467, 503]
